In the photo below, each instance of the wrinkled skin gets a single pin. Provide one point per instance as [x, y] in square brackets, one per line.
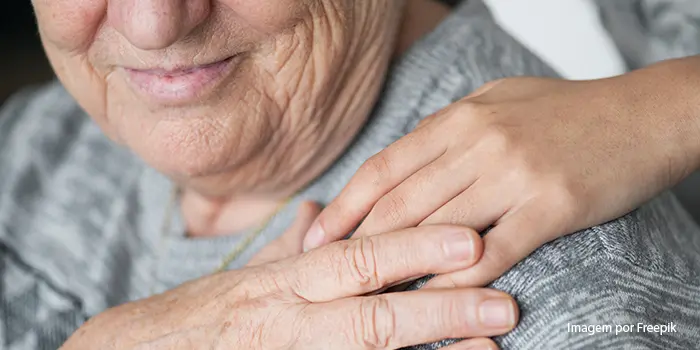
[289, 103]
[313, 300]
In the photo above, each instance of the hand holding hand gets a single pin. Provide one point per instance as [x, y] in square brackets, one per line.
[533, 158]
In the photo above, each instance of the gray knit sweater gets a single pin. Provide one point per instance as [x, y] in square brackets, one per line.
[81, 218]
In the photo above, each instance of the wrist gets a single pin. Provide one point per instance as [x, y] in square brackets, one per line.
[666, 98]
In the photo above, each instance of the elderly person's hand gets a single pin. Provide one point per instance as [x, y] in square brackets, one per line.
[313, 301]
[533, 159]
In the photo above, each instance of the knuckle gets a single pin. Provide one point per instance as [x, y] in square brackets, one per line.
[524, 172]
[564, 192]
[391, 209]
[376, 169]
[496, 139]
[361, 261]
[266, 280]
[375, 327]
[565, 195]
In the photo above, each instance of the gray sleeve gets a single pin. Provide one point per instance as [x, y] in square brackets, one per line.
[648, 31]
[640, 270]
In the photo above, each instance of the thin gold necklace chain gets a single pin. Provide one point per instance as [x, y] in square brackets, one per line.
[249, 238]
[238, 249]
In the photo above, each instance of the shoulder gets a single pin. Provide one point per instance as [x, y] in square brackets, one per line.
[642, 268]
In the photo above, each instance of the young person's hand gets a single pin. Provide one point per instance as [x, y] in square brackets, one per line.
[532, 158]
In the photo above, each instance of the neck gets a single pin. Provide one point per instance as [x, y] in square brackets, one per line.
[207, 216]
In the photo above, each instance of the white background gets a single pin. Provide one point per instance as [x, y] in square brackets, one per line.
[567, 34]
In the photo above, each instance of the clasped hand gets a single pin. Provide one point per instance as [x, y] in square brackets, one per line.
[317, 300]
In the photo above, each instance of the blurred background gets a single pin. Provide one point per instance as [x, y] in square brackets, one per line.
[22, 60]
[545, 26]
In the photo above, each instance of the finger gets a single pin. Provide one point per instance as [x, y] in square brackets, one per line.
[473, 344]
[391, 321]
[505, 245]
[355, 267]
[294, 236]
[478, 207]
[290, 243]
[420, 195]
[376, 177]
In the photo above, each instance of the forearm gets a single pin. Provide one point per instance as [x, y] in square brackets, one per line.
[666, 99]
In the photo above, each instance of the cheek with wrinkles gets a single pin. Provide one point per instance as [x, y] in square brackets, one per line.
[282, 97]
[70, 25]
[68, 29]
[88, 86]
[270, 16]
[190, 142]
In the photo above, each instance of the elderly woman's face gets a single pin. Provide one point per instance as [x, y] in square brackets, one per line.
[205, 88]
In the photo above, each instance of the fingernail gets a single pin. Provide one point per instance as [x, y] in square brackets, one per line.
[497, 313]
[459, 246]
[314, 237]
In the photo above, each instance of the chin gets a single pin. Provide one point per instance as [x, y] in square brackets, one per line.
[190, 157]
[200, 161]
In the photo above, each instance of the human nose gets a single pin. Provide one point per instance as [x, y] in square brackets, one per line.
[156, 24]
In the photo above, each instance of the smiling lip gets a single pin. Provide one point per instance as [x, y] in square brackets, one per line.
[180, 85]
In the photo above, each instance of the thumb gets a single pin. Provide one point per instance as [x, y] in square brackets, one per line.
[291, 241]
